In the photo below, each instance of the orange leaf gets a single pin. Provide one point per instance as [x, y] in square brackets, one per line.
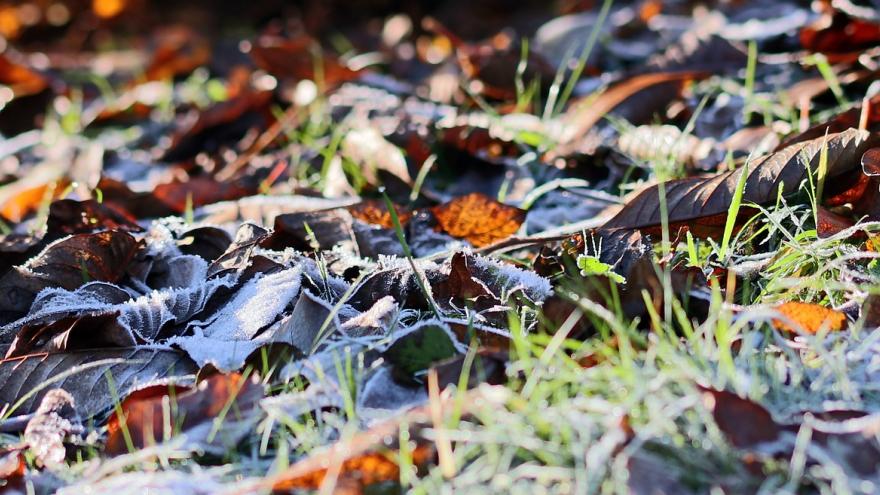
[106, 9]
[810, 317]
[145, 414]
[478, 219]
[375, 212]
[361, 470]
[27, 201]
[365, 458]
[21, 80]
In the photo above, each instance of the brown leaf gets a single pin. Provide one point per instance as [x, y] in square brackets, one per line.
[69, 263]
[746, 424]
[82, 258]
[366, 458]
[199, 191]
[296, 58]
[21, 80]
[810, 317]
[749, 426]
[710, 198]
[584, 114]
[871, 311]
[222, 122]
[179, 51]
[478, 219]
[840, 36]
[13, 469]
[68, 216]
[31, 93]
[310, 230]
[195, 413]
[830, 223]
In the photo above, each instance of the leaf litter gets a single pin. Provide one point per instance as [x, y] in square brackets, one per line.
[603, 247]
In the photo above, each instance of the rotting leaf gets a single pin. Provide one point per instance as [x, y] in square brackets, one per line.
[478, 219]
[809, 317]
[215, 415]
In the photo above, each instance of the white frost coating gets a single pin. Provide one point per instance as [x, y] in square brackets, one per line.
[380, 315]
[535, 286]
[160, 240]
[142, 317]
[225, 355]
[381, 397]
[254, 306]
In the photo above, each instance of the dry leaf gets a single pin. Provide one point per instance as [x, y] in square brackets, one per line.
[810, 317]
[478, 219]
[375, 212]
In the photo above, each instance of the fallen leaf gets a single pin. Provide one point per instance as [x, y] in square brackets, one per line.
[219, 124]
[840, 36]
[809, 318]
[488, 366]
[198, 191]
[375, 212]
[583, 114]
[69, 263]
[750, 427]
[68, 216]
[13, 469]
[704, 202]
[214, 416]
[830, 223]
[412, 353]
[478, 219]
[179, 51]
[83, 374]
[358, 462]
[27, 201]
[746, 424]
[311, 230]
[296, 58]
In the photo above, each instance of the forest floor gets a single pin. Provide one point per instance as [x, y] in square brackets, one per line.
[567, 247]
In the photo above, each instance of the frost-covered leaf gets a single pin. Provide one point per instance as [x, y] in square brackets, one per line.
[84, 374]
